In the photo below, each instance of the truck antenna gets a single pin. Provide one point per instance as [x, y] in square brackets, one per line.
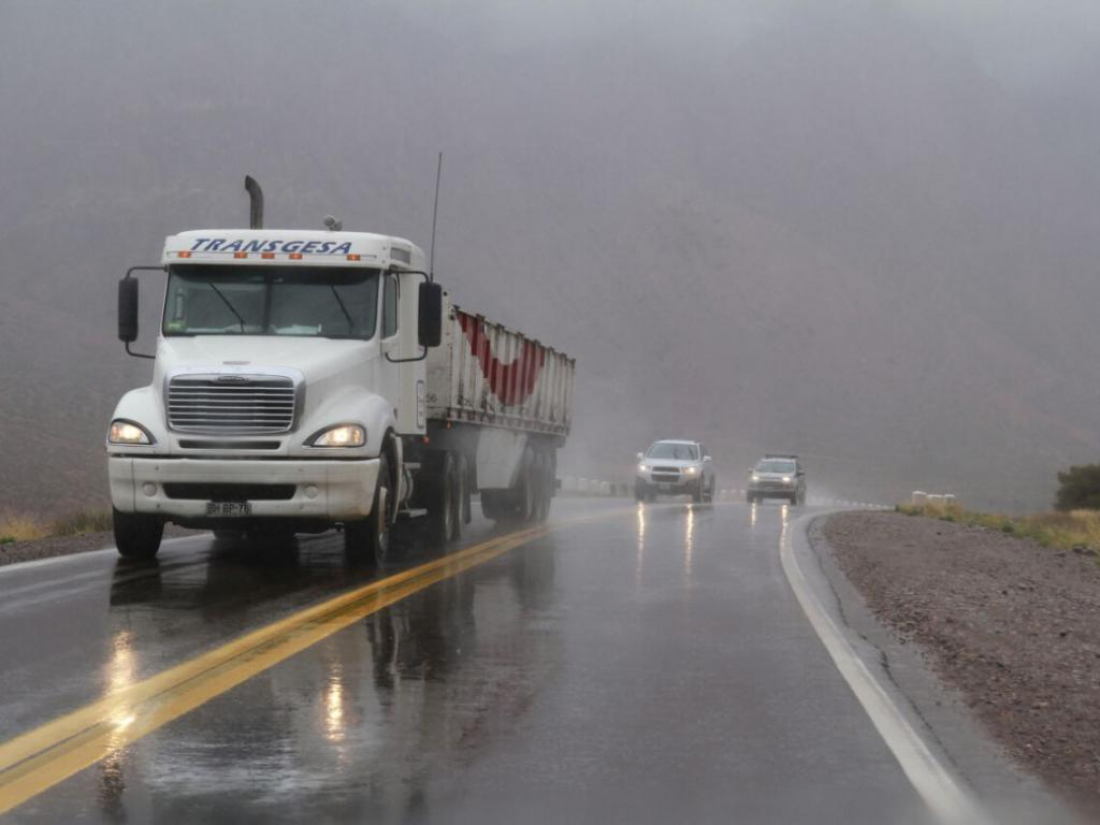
[435, 213]
[256, 203]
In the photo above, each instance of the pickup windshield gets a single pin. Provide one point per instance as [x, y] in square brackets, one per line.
[676, 452]
[324, 302]
[772, 466]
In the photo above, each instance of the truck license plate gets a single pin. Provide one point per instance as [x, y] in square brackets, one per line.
[228, 508]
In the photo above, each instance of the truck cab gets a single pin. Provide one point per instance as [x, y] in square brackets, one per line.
[289, 369]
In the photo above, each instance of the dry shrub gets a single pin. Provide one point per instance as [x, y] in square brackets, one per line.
[81, 522]
[15, 527]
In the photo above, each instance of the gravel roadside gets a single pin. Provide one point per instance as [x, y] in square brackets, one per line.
[1013, 625]
[67, 545]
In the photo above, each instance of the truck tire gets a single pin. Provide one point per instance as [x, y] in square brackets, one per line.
[697, 493]
[137, 535]
[527, 493]
[467, 488]
[708, 493]
[369, 540]
[545, 487]
[460, 497]
[441, 502]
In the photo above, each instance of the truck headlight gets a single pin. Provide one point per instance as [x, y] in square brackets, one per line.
[786, 479]
[643, 468]
[127, 432]
[690, 471]
[755, 477]
[342, 435]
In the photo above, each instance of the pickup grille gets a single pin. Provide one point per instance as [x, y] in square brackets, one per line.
[253, 404]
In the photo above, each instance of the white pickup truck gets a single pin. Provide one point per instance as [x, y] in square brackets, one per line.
[311, 379]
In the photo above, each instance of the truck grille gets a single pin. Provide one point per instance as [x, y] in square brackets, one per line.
[251, 404]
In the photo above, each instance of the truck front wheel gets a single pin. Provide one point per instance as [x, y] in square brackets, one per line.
[369, 540]
[137, 535]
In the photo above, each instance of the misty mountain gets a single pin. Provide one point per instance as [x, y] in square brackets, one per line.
[834, 232]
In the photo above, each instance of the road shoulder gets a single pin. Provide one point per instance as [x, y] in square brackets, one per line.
[936, 710]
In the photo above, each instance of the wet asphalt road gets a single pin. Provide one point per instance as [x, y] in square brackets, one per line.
[649, 665]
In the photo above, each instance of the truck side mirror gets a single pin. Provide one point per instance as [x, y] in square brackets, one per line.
[430, 316]
[641, 456]
[128, 310]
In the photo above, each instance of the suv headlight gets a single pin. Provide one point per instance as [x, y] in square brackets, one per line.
[786, 479]
[755, 477]
[125, 432]
[342, 435]
[691, 471]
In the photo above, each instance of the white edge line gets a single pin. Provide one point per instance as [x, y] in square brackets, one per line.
[935, 784]
[17, 566]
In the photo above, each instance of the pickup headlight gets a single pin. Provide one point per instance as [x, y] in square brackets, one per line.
[755, 477]
[643, 468]
[342, 435]
[690, 471]
[125, 432]
[786, 479]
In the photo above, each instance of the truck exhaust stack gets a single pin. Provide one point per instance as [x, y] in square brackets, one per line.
[256, 203]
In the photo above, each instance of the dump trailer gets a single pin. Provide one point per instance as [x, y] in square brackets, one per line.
[305, 380]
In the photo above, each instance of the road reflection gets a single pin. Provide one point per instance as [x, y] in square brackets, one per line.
[373, 708]
[120, 675]
[639, 558]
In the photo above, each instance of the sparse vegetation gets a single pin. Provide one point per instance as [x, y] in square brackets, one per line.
[15, 527]
[1077, 530]
[81, 522]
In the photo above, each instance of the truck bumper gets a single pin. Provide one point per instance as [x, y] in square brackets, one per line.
[174, 487]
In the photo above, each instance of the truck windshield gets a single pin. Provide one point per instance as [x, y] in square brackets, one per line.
[324, 302]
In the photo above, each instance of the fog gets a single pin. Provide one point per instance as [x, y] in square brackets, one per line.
[864, 232]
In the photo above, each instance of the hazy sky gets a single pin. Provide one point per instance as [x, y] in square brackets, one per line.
[860, 230]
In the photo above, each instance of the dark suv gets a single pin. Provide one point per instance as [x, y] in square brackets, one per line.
[777, 476]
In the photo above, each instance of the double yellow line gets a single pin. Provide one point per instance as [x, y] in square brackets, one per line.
[39, 759]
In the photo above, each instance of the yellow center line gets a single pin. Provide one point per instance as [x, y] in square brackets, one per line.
[39, 759]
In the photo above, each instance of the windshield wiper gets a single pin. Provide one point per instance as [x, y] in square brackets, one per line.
[225, 301]
[343, 309]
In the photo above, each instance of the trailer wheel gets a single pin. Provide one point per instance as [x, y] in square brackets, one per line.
[467, 488]
[528, 492]
[545, 485]
[137, 535]
[369, 540]
[459, 495]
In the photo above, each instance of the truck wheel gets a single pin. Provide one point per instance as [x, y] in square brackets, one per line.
[750, 498]
[527, 494]
[697, 493]
[369, 540]
[546, 485]
[708, 494]
[459, 495]
[467, 488]
[137, 535]
[441, 503]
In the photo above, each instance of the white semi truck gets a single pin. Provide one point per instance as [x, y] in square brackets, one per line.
[305, 380]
